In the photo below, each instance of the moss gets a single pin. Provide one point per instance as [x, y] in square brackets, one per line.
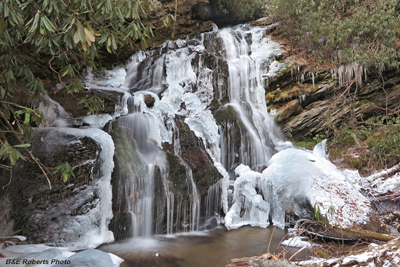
[308, 141]
[177, 174]
[216, 104]
[289, 67]
[225, 113]
[270, 97]
[356, 162]
[291, 108]
[370, 146]
[321, 253]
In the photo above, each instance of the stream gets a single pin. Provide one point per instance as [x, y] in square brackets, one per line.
[211, 248]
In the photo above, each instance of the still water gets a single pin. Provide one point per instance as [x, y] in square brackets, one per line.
[213, 248]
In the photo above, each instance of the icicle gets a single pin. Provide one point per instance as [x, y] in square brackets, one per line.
[349, 72]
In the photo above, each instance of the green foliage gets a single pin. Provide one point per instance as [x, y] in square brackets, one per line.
[363, 31]
[65, 171]
[318, 216]
[10, 152]
[242, 9]
[308, 141]
[94, 103]
[48, 39]
[370, 146]
[65, 35]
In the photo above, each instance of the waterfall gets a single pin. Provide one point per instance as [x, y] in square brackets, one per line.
[249, 55]
[196, 146]
[197, 106]
[137, 158]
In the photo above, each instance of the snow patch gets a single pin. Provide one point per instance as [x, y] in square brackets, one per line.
[295, 180]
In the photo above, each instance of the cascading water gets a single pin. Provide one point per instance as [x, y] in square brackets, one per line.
[249, 55]
[199, 135]
[140, 186]
[194, 142]
[181, 84]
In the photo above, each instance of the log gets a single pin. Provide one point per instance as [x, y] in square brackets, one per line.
[364, 234]
[346, 234]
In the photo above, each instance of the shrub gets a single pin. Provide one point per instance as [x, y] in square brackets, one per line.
[364, 31]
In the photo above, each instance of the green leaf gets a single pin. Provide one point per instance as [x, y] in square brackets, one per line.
[65, 170]
[81, 32]
[2, 153]
[48, 24]
[65, 177]
[27, 118]
[18, 155]
[67, 70]
[5, 166]
[114, 43]
[23, 145]
[76, 37]
[13, 158]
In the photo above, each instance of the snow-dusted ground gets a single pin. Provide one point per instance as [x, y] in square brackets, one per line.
[382, 182]
[388, 254]
[375, 255]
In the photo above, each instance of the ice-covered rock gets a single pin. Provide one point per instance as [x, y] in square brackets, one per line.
[44, 216]
[295, 183]
[46, 256]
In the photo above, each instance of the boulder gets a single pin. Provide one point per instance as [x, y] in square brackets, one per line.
[66, 212]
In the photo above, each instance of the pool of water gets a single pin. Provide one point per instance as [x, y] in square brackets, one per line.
[213, 248]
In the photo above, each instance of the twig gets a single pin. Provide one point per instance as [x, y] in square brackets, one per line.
[270, 239]
[9, 182]
[19, 106]
[59, 75]
[297, 252]
[337, 99]
[27, 150]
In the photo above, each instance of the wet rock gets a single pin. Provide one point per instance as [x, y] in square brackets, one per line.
[179, 188]
[41, 213]
[121, 225]
[323, 104]
[112, 100]
[290, 109]
[192, 150]
[149, 101]
[202, 11]
[6, 220]
[125, 153]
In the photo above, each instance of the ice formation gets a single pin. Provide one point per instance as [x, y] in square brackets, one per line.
[181, 83]
[91, 229]
[215, 81]
[46, 256]
[294, 183]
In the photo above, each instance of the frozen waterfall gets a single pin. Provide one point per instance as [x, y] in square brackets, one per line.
[202, 99]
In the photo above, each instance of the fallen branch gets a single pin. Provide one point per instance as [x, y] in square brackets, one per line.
[388, 197]
[343, 234]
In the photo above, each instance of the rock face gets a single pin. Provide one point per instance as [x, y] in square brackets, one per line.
[66, 212]
[310, 103]
[194, 153]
